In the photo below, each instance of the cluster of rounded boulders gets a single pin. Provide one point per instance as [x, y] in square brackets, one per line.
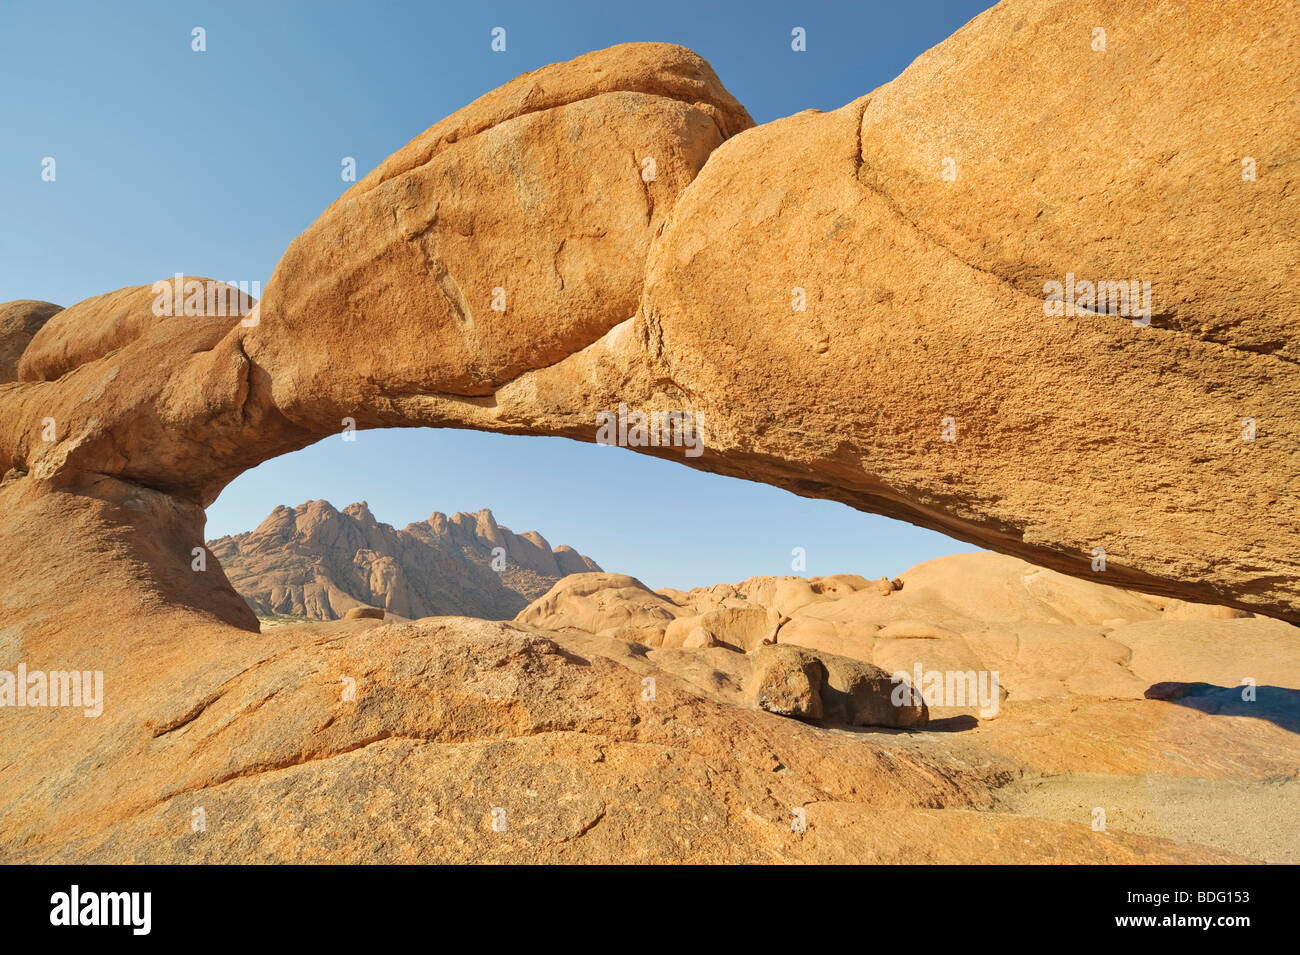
[786, 679]
[1045, 635]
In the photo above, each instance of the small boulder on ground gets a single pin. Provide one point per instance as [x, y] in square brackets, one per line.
[794, 681]
[364, 613]
[787, 680]
[858, 693]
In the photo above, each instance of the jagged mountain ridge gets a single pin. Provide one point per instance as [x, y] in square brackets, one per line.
[316, 562]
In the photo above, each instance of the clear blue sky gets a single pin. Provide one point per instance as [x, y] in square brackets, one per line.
[168, 160]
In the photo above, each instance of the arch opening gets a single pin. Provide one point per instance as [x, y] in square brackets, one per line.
[395, 519]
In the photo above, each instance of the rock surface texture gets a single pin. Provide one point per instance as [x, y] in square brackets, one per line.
[19, 323]
[850, 305]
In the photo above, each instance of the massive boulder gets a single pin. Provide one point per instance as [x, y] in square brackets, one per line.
[505, 238]
[925, 316]
[567, 173]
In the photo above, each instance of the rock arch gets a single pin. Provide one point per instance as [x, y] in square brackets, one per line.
[673, 292]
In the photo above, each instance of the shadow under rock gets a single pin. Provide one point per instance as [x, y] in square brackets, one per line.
[1276, 704]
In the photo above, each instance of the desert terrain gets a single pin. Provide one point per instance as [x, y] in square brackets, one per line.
[609, 723]
[1133, 481]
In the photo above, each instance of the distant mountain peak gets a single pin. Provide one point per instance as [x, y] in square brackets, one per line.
[315, 561]
[361, 511]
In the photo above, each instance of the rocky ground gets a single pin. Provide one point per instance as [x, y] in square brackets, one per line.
[455, 739]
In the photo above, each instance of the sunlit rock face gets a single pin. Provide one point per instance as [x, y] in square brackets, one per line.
[843, 311]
